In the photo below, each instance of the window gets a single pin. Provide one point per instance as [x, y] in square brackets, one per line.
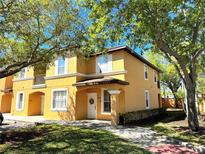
[20, 101]
[61, 66]
[146, 72]
[59, 100]
[104, 64]
[22, 73]
[106, 102]
[155, 77]
[147, 103]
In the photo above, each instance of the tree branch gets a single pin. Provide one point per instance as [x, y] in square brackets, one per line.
[176, 66]
[195, 30]
[169, 52]
[196, 54]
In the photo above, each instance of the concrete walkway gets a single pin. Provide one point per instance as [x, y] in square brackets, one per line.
[30, 119]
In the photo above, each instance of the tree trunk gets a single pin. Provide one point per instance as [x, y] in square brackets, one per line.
[175, 98]
[192, 111]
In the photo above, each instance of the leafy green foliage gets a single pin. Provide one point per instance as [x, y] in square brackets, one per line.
[36, 31]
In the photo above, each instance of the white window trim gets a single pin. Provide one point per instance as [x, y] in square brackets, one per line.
[24, 75]
[59, 109]
[102, 103]
[109, 56]
[17, 101]
[56, 67]
[145, 66]
[155, 74]
[147, 107]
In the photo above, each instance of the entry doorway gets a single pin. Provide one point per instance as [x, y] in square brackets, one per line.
[36, 103]
[92, 105]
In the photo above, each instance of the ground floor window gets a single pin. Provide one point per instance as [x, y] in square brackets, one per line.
[106, 101]
[59, 99]
[20, 101]
[147, 103]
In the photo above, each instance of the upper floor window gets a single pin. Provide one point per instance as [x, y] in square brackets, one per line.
[20, 101]
[61, 66]
[145, 72]
[147, 103]
[104, 64]
[155, 77]
[22, 73]
[106, 101]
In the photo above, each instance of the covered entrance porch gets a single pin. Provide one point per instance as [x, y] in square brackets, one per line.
[36, 103]
[102, 99]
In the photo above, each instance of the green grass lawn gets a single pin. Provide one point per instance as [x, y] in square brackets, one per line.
[65, 139]
[174, 125]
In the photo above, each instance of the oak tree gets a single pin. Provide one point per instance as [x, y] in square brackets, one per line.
[34, 31]
[175, 28]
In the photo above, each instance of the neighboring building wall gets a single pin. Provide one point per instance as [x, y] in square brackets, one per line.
[135, 92]
[171, 103]
[6, 97]
[55, 82]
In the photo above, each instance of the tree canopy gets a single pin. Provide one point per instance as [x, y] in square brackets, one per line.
[33, 31]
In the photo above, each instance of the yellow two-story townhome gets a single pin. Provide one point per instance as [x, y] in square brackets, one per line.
[74, 88]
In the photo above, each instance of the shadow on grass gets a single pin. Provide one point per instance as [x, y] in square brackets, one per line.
[65, 139]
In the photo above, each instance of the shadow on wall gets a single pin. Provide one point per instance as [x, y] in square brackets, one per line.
[70, 113]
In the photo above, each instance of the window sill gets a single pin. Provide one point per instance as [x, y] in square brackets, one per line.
[19, 110]
[106, 113]
[59, 110]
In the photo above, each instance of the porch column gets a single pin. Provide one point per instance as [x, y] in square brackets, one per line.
[114, 106]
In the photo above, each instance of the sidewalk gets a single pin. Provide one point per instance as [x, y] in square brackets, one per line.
[30, 119]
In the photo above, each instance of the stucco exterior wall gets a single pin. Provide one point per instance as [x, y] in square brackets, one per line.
[135, 92]
[88, 66]
[131, 97]
[71, 67]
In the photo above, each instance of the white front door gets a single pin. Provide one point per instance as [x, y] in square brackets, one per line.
[92, 102]
[42, 103]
